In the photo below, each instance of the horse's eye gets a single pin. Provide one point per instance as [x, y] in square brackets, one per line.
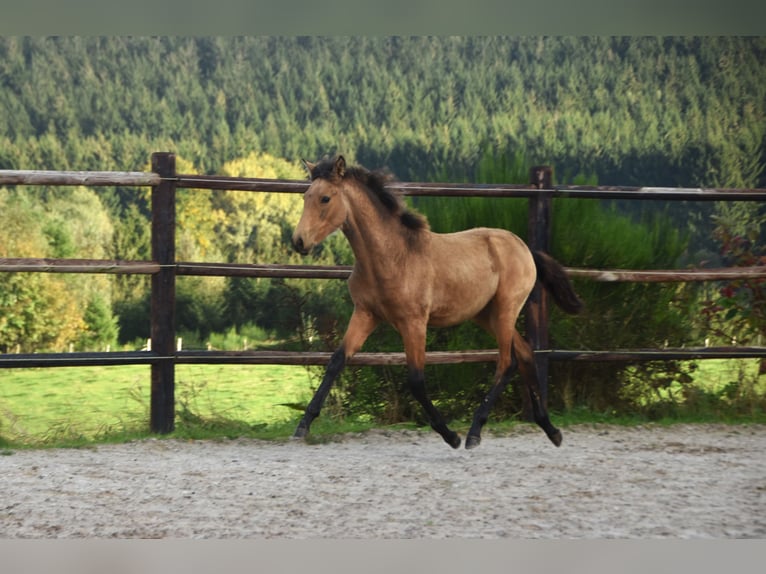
[324, 199]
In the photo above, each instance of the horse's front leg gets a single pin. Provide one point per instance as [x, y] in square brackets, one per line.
[359, 328]
[334, 367]
[415, 350]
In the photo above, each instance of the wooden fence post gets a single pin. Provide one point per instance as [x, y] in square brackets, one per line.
[162, 418]
[538, 239]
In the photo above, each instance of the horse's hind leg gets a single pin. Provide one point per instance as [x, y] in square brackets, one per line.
[415, 349]
[529, 375]
[498, 320]
[502, 378]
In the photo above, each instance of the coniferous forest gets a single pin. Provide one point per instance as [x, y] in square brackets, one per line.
[653, 111]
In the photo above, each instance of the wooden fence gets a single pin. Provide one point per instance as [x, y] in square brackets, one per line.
[164, 269]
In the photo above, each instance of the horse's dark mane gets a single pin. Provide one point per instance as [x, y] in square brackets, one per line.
[375, 182]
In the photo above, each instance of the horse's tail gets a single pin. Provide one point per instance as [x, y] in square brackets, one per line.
[553, 277]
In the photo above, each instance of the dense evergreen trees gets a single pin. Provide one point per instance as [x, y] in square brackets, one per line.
[658, 111]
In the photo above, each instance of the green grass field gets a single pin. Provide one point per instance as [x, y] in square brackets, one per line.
[66, 404]
[75, 405]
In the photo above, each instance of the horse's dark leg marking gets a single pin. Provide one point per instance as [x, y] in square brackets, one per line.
[417, 381]
[360, 326]
[473, 439]
[541, 418]
[539, 413]
[334, 367]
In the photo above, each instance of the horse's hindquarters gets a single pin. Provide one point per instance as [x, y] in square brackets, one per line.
[474, 268]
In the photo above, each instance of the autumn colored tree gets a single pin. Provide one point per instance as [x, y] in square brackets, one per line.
[37, 310]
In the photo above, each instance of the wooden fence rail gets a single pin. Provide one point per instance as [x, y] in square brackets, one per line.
[318, 358]
[164, 269]
[115, 267]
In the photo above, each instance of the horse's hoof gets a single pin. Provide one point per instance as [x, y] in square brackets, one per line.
[555, 437]
[453, 440]
[472, 441]
[300, 432]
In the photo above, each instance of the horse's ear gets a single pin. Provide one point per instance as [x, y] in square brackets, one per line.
[340, 166]
[309, 166]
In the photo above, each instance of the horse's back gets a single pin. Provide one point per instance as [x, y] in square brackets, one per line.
[500, 246]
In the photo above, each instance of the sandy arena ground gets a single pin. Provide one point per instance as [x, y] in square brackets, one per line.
[683, 481]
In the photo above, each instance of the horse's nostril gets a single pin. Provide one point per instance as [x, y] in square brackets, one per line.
[298, 244]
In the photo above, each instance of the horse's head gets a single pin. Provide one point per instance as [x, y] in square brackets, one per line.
[324, 206]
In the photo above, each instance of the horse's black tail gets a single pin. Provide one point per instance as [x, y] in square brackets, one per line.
[553, 277]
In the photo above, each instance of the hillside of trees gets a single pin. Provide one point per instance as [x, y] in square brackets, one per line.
[654, 111]
[623, 111]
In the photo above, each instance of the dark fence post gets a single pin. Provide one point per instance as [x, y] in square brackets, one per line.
[538, 239]
[162, 418]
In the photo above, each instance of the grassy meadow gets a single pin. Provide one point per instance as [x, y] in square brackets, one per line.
[80, 405]
[71, 404]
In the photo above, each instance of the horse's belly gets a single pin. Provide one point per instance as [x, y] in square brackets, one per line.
[461, 301]
[442, 319]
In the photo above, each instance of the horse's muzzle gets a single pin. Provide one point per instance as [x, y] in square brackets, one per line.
[299, 246]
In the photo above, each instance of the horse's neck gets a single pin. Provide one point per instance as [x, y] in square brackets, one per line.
[375, 238]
